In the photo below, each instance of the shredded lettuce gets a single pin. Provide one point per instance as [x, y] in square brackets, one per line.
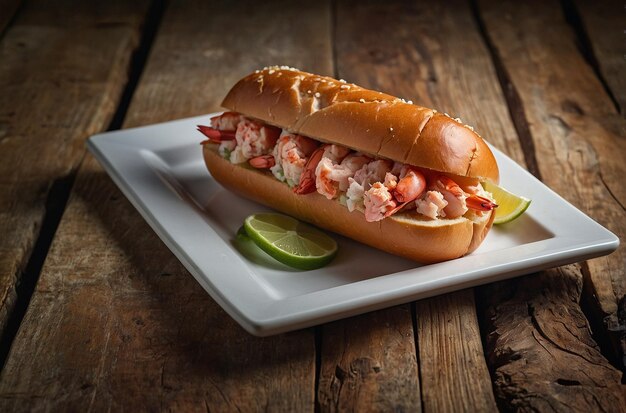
[225, 152]
[278, 172]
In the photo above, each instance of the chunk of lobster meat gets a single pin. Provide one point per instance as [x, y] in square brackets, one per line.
[378, 202]
[372, 172]
[391, 181]
[453, 194]
[227, 121]
[335, 153]
[410, 186]
[354, 195]
[222, 127]
[291, 154]
[332, 178]
[255, 138]
[354, 162]
[406, 190]
[431, 204]
[226, 148]
[262, 162]
[237, 156]
[460, 201]
[329, 177]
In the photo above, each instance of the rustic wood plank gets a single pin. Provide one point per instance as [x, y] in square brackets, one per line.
[541, 350]
[116, 321]
[369, 364]
[275, 34]
[603, 24]
[539, 342]
[417, 58]
[449, 336]
[61, 79]
[8, 8]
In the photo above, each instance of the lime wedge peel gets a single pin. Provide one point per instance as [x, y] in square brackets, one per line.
[510, 206]
[290, 241]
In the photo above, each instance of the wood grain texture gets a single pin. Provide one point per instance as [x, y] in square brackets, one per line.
[8, 8]
[369, 364]
[541, 349]
[61, 80]
[603, 23]
[276, 34]
[579, 153]
[447, 327]
[116, 321]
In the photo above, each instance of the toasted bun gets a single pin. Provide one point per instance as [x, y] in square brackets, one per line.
[404, 234]
[372, 122]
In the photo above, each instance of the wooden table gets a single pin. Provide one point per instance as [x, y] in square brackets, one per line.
[97, 314]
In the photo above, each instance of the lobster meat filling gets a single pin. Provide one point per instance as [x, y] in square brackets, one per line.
[375, 186]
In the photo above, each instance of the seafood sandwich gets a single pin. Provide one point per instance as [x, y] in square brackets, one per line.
[383, 171]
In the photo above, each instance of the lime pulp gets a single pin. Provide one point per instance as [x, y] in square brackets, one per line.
[290, 241]
[510, 206]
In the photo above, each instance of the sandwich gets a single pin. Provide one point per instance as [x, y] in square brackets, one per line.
[373, 167]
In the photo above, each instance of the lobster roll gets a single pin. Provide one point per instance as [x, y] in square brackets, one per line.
[373, 167]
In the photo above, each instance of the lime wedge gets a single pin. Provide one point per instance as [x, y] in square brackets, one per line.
[290, 241]
[510, 206]
[252, 252]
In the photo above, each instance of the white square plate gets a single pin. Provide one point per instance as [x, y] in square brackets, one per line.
[161, 171]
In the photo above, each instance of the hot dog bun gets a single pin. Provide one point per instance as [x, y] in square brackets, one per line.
[365, 120]
[333, 111]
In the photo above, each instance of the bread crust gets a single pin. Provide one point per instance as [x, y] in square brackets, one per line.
[405, 234]
[365, 120]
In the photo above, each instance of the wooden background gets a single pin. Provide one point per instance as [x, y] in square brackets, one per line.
[96, 314]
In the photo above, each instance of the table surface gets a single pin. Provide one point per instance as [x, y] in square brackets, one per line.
[97, 314]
